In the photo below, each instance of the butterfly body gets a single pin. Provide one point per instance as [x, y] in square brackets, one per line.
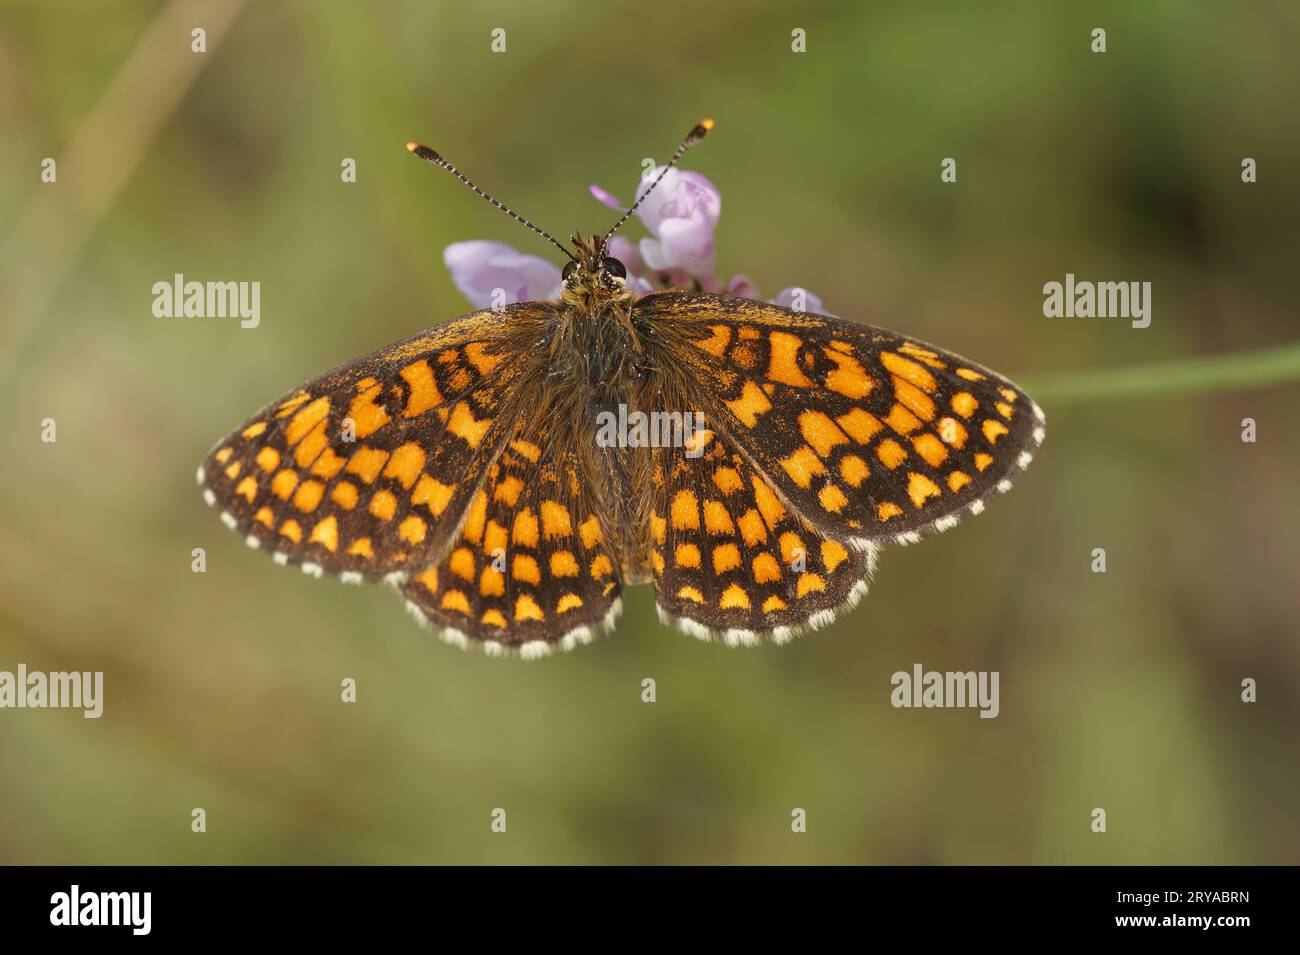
[475, 466]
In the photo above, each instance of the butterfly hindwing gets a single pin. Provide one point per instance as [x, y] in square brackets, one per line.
[368, 470]
[871, 436]
[531, 570]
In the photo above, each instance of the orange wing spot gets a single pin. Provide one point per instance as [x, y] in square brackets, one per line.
[475, 519]
[725, 557]
[287, 407]
[716, 344]
[908, 371]
[291, 530]
[734, 596]
[658, 528]
[685, 511]
[448, 356]
[424, 392]
[970, 375]
[311, 446]
[849, 377]
[766, 569]
[916, 400]
[223, 455]
[716, 518]
[361, 548]
[832, 498]
[751, 403]
[752, 528]
[902, 420]
[589, 531]
[920, 488]
[744, 356]
[791, 547]
[803, 465]
[953, 432]
[993, 430]
[727, 480]
[602, 566]
[564, 564]
[688, 555]
[891, 453]
[455, 600]
[429, 578]
[248, 488]
[958, 480]
[265, 516]
[305, 420]
[525, 568]
[568, 602]
[477, 355]
[784, 362]
[465, 426]
[773, 604]
[749, 333]
[821, 432]
[930, 449]
[282, 484]
[526, 448]
[1008, 394]
[508, 490]
[367, 417]
[859, 425]
[964, 403]
[854, 470]
[253, 430]
[833, 554]
[232, 472]
[432, 493]
[922, 354]
[366, 462]
[495, 538]
[308, 496]
[494, 618]
[691, 593]
[491, 583]
[555, 520]
[412, 530]
[326, 533]
[887, 510]
[461, 563]
[328, 464]
[406, 464]
[808, 583]
[1005, 409]
[982, 461]
[383, 505]
[768, 504]
[460, 379]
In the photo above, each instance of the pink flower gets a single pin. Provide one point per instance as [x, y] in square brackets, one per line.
[492, 274]
[681, 216]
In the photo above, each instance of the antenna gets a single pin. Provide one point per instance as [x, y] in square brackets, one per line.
[700, 130]
[429, 155]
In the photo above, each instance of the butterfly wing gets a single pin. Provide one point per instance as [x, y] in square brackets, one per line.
[368, 470]
[870, 436]
[731, 561]
[532, 570]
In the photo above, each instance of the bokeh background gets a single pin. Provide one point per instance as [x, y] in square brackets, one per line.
[1119, 691]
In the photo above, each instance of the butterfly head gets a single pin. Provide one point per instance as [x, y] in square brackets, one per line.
[593, 277]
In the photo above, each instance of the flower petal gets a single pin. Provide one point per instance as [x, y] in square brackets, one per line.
[481, 269]
[799, 300]
[607, 198]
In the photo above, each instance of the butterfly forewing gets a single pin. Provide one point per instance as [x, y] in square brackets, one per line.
[368, 470]
[869, 435]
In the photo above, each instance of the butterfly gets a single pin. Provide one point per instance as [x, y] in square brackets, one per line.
[464, 466]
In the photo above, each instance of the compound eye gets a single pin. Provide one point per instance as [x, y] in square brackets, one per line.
[615, 267]
[568, 269]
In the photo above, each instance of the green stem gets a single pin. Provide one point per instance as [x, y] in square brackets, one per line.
[1263, 368]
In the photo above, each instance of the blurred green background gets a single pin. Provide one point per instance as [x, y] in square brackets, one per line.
[1119, 690]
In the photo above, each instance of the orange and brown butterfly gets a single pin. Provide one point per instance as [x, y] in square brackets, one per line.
[462, 466]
